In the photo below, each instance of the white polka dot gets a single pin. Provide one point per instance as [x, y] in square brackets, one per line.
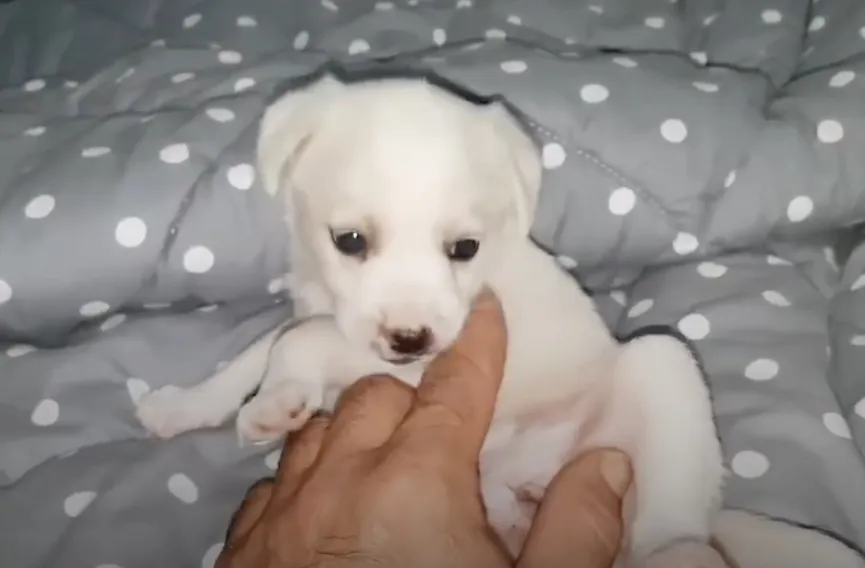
[862, 32]
[20, 350]
[553, 155]
[622, 201]
[777, 261]
[137, 388]
[95, 152]
[495, 34]
[655, 22]
[594, 93]
[246, 22]
[241, 176]
[181, 77]
[596, 9]
[842, 79]
[711, 269]
[174, 154]
[35, 131]
[817, 24]
[749, 464]
[799, 209]
[220, 114]
[384, 6]
[776, 298]
[301, 40]
[130, 232]
[183, 488]
[685, 243]
[112, 321]
[705, 87]
[514, 20]
[674, 130]
[710, 19]
[514, 67]
[566, 262]
[46, 412]
[761, 369]
[694, 326]
[439, 36]
[93, 309]
[211, 555]
[641, 308]
[39, 207]
[358, 46]
[858, 283]
[625, 62]
[243, 84]
[829, 255]
[619, 297]
[34, 85]
[837, 425]
[198, 260]
[699, 57]
[206, 309]
[191, 20]
[75, 504]
[830, 131]
[858, 340]
[730, 179]
[5, 292]
[229, 57]
[329, 5]
[271, 460]
[771, 16]
[277, 285]
[859, 409]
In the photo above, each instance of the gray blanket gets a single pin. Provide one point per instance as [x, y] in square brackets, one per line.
[703, 161]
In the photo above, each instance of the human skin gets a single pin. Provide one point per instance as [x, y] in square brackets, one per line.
[391, 479]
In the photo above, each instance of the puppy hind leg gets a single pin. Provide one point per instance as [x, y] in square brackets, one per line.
[666, 425]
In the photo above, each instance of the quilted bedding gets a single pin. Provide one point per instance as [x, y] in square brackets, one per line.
[703, 169]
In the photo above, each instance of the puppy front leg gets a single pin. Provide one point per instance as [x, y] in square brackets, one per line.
[172, 410]
[662, 416]
[305, 362]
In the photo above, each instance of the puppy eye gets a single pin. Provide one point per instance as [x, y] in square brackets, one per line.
[463, 250]
[349, 243]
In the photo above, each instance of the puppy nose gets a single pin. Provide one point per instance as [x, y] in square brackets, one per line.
[410, 341]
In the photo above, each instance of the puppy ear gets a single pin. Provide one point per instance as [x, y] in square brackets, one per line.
[287, 126]
[524, 157]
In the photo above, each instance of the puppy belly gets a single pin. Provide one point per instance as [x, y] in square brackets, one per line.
[517, 465]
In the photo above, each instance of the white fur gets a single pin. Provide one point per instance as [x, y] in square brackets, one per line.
[415, 168]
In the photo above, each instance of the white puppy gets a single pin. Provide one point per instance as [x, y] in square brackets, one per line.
[403, 201]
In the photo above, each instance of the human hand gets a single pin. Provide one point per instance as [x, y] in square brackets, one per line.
[392, 478]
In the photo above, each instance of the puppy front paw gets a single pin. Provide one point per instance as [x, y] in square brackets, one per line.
[275, 412]
[686, 554]
[170, 411]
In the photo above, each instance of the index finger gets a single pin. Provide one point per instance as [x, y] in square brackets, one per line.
[456, 398]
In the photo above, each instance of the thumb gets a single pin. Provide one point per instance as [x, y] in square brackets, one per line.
[579, 521]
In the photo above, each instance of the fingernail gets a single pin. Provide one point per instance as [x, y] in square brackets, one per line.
[616, 471]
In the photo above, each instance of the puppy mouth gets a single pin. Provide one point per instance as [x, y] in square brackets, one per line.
[403, 360]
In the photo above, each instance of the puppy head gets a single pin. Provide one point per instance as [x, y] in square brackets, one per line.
[403, 197]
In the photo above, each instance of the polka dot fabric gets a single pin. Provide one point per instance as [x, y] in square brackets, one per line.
[137, 248]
